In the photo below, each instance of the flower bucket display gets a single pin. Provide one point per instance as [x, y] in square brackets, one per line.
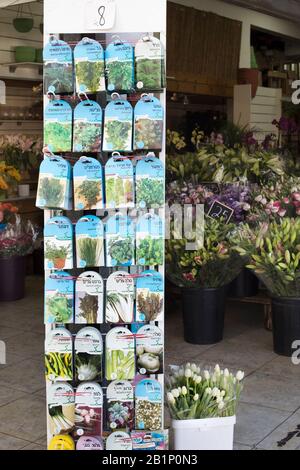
[244, 285]
[12, 278]
[286, 324]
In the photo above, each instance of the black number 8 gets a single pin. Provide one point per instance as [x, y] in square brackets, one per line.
[101, 11]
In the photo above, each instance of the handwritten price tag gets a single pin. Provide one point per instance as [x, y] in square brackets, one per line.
[100, 15]
[220, 211]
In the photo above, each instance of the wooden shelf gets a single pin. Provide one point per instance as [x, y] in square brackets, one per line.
[13, 66]
[5, 121]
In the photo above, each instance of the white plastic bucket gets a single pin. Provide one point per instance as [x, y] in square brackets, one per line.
[204, 434]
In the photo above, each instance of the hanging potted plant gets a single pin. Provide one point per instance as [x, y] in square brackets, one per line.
[203, 406]
[274, 251]
[203, 275]
[23, 23]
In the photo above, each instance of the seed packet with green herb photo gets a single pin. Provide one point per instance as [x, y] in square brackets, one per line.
[89, 242]
[119, 298]
[88, 184]
[58, 117]
[119, 63]
[150, 240]
[148, 123]
[87, 132]
[59, 298]
[58, 243]
[149, 64]
[118, 122]
[119, 187]
[59, 355]
[89, 298]
[58, 67]
[88, 355]
[89, 66]
[149, 296]
[150, 183]
[119, 357]
[54, 185]
[120, 241]
[148, 405]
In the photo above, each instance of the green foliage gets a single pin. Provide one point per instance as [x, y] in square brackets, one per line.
[117, 133]
[149, 72]
[118, 191]
[88, 308]
[151, 192]
[58, 135]
[89, 250]
[60, 308]
[121, 250]
[151, 250]
[90, 190]
[90, 74]
[51, 191]
[87, 135]
[149, 132]
[53, 251]
[60, 76]
[120, 74]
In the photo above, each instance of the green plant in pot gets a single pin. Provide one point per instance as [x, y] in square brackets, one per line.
[203, 275]
[57, 255]
[274, 250]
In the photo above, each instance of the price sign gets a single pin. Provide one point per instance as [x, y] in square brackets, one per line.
[100, 15]
[213, 187]
[219, 211]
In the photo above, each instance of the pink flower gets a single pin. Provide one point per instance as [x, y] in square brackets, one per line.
[296, 196]
[282, 212]
[189, 277]
[286, 200]
[277, 204]
[275, 209]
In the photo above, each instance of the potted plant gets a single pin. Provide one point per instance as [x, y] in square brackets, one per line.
[7, 214]
[203, 406]
[21, 152]
[274, 250]
[16, 242]
[57, 255]
[203, 275]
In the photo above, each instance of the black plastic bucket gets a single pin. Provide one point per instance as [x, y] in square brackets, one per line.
[12, 278]
[245, 285]
[286, 324]
[203, 315]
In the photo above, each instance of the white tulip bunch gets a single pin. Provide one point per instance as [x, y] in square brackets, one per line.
[193, 393]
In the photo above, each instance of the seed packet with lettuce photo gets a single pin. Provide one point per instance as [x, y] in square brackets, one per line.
[58, 67]
[89, 66]
[119, 298]
[58, 243]
[89, 298]
[149, 241]
[58, 117]
[89, 242]
[54, 185]
[120, 241]
[119, 62]
[150, 183]
[149, 64]
[59, 298]
[118, 122]
[119, 183]
[87, 131]
[148, 123]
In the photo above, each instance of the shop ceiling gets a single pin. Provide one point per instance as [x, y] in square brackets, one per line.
[287, 9]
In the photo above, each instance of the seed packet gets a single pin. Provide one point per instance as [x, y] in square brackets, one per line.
[119, 63]
[58, 67]
[120, 241]
[89, 410]
[118, 126]
[59, 298]
[87, 131]
[61, 412]
[89, 443]
[119, 440]
[89, 242]
[89, 66]
[148, 123]
[148, 405]
[149, 297]
[119, 298]
[119, 357]
[58, 243]
[149, 350]
[88, 184]
[88, 355]
[59, 355]
[149, 63]
[58, 126]
[120, 405]
[143, 440]
[150, 183]
[119, 187]
[149, 240]
[54, 186]
[61, 442]
[89, 298]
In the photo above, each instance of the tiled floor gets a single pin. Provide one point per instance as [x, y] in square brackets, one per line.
[270, 408]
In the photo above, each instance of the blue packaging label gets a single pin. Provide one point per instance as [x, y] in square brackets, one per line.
[58, 126]
[58, 240]
[148, 124]
[54, 185]
[149, 63]
[59, 298]
[149, 296]
[119, 183]
[120, 241]
[118, 126]
[88, 184]
[90, 242]
[87, 127]
[148, 393]
[89, 66]
[58, 67]
[150, 183]
[119, 62]
[150, 241]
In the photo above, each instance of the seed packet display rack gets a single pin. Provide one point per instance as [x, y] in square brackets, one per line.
[104, 38]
